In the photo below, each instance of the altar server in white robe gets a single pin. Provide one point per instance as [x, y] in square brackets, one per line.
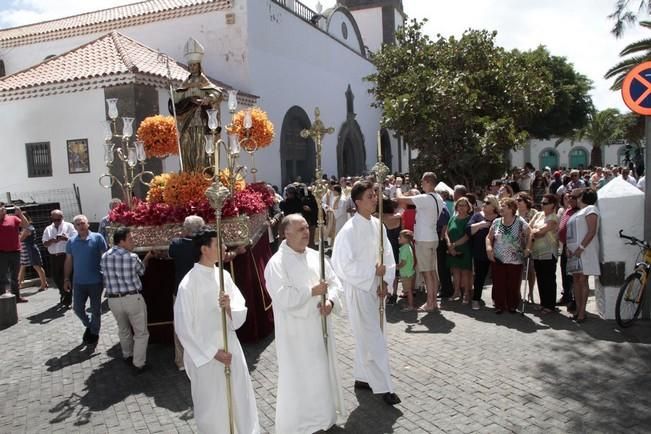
[198, 324]
[355, 261]
[309, 397]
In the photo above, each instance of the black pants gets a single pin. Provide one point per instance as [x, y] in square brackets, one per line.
[546, 278]
[568, 293]
[481, 271]
[57, 263]
[9, 267]
[445, 277]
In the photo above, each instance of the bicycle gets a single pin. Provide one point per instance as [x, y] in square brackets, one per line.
[631, 294]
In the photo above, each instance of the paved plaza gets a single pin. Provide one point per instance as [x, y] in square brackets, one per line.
[460, 371]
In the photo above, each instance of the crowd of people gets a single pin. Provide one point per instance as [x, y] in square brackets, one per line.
[446, 240]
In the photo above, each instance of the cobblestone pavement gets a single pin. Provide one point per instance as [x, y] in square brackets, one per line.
[459, 371]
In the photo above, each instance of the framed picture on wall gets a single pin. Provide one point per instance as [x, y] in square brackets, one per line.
[78, 159]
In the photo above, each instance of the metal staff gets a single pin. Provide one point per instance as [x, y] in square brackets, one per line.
[381, 173]
[319, 189]
[217, 195]
[164, 58]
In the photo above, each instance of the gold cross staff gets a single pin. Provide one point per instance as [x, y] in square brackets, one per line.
[319, 189]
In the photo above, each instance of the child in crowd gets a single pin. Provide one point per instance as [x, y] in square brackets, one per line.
[406, 266]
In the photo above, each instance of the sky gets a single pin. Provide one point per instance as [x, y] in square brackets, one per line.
[578, 29]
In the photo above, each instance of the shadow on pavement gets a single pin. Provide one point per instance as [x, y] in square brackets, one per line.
[48, 315]
[434, 322]
[78, 354]
[372, 415]
[252, 351]
[611, 381]
[114, 382]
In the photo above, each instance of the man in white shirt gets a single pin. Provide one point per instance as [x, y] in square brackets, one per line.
[365, 281]
[428, 207]
[198, 324]
[310, 396]
[55, 237]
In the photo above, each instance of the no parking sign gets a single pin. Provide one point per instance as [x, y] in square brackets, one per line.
[636, 89]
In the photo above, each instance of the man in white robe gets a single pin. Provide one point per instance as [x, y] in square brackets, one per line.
[355, 260]
[309, 397]
[198, 324]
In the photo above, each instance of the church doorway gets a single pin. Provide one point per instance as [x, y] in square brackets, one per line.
[297, 155]
[351, 154]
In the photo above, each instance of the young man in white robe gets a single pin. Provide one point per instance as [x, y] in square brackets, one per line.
[309, 397]
[198, 324]
[355, 261]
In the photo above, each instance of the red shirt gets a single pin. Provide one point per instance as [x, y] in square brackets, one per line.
[9, 234]
[409, 218]
[562, 225]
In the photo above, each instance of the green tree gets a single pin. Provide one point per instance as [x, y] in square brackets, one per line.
[460, 102]
[605, 127]
[625, 14]
[640, 51]
[572, 102]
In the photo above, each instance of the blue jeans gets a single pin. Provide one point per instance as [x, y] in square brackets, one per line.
[80, 294]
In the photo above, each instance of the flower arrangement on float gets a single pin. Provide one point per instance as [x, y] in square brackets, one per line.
[173, 196]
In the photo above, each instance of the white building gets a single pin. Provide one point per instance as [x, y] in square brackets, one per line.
[568, 154]
[280, 54]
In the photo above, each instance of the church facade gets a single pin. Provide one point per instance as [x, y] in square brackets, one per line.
[279, 54]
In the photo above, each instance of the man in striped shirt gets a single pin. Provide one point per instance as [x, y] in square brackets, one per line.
[122, 269]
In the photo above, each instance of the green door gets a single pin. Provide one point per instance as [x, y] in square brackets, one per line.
[548, 158]
[578, 158]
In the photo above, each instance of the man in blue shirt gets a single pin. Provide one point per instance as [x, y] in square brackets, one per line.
[83, 254]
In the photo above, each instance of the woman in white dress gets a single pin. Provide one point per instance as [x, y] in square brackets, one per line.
[583, 247]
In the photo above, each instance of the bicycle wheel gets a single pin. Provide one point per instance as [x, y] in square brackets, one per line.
[629, 300]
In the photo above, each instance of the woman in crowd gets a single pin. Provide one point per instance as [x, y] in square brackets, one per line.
[583, 247]
[505, 191]
[569, 208]
[30, 256]
[459, 259]
[505, 246]
[538, 187]
[393, 221]
[527, 211]
[477, 229]
[543, 245]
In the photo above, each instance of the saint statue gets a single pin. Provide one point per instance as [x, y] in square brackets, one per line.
[195, 96]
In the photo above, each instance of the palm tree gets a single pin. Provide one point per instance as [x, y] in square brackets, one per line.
[604, 127]
[623, 15]
[620, 70]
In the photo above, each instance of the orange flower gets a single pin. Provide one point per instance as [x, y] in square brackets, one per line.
[157, 187]
[262, 130]
[240, 183]
[158, 133]
[184, 187]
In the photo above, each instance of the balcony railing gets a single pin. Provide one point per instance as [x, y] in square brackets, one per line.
[299, 9]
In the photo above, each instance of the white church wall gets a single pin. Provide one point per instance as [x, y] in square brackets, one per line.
[563, 151]
[225, 44]
[309, 70]
[55, 119]
[338, 22]
[369, 22]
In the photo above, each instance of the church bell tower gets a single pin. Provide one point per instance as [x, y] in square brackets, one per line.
[378, 20]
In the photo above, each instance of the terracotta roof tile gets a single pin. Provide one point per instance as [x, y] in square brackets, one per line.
[112, 59]
[108, 19]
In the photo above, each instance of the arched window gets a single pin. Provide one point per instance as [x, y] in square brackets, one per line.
[578, 158]
[548, 158]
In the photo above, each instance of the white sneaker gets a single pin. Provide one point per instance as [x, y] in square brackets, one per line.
[475, 305]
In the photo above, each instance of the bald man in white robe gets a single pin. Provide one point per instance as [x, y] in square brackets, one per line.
[309, 397]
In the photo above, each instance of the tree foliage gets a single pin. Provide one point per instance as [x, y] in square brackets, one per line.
[572, 102]
[625, 14]
[465, 103]
[608, 126]
[639, 52]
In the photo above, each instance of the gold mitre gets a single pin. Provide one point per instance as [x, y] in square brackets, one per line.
[193, 51]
